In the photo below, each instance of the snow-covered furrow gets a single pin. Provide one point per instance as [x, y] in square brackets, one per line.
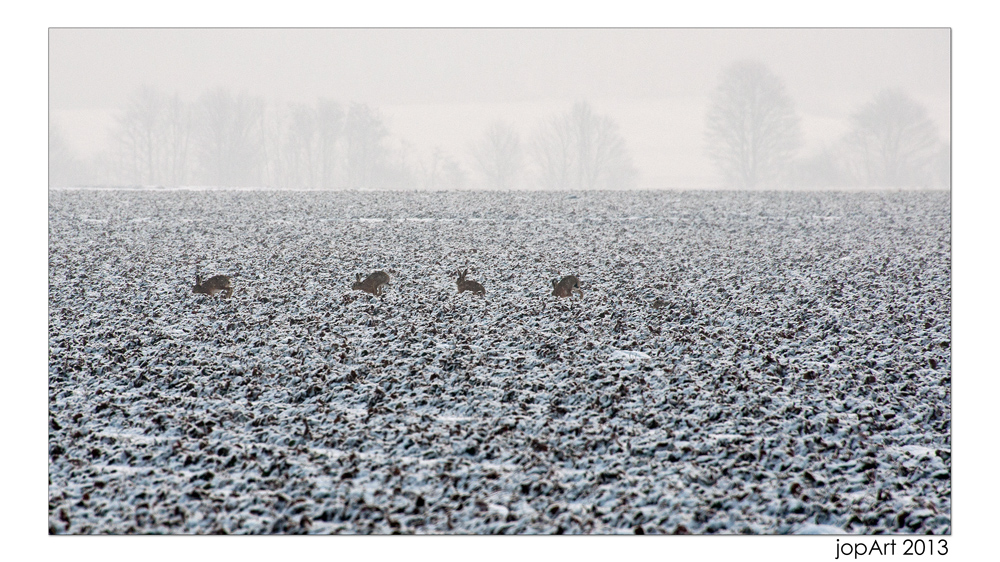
[795, 369]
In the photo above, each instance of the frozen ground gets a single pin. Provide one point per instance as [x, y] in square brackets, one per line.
[797, 377]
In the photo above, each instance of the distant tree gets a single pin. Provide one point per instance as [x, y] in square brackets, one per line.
[366, 156]
[300, 146]
[311, 147]
[176, 141]
[272, 129]
[581, 150]
[752, 130]
[330, 129]
[228, 138]
[892, 142]
[552, 153]
[498, 156]
[150, 139]
[137, 136]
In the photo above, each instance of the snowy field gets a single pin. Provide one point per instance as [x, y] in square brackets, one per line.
[795, 375]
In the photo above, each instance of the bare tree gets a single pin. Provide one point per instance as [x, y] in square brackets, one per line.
[137, 137]
[603, 161]
[498, 156]
[300, 146]
[229, 143]
[176, 140]
[330, 129]
[582, 150]
[272, 129]
[892, 142]
[366, 156]
[150, 139]
[311, 145]
[752, 130]
[552, 153]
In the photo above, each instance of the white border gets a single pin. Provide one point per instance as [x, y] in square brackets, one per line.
[24, 413]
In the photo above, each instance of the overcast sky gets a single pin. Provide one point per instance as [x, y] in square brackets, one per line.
[442, 87]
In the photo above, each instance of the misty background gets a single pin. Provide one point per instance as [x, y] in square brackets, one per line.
[500, 108]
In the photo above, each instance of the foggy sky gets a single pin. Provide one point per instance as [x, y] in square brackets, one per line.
[443, 87]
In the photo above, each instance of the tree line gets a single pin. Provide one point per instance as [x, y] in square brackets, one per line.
[229, 139]
[753, 133]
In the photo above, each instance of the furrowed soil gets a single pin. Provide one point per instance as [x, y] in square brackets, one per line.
[758, 363]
